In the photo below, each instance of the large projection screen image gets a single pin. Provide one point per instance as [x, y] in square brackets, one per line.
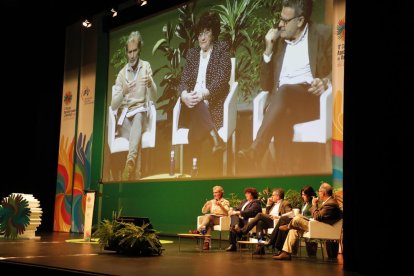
[221, 89]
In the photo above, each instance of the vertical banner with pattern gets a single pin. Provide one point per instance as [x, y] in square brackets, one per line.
[90, 201]
[338, 91]
[82, 176]
[64, 182]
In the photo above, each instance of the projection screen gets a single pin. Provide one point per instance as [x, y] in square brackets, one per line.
[152, 131]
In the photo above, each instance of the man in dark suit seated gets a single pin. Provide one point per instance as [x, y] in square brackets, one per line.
[328, 212]
[296, 69]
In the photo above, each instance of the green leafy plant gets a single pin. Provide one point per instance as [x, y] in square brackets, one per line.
[127, 238]
[244, 24]
[185, 32]
[234, 200]
[294, 198]
[264, 196]
[235, 18]
[119, 57]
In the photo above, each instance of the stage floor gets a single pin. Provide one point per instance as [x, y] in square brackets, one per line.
[52, 252]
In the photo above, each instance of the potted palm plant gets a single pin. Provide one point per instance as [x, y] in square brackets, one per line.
[127, 238]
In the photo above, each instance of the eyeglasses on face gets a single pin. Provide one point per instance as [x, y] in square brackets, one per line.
[286, 21]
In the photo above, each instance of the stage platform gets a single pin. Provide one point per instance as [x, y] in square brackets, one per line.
[51, 253]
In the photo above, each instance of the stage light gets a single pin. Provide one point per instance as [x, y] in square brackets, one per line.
[114, 12]
[142, 2]
[86, 23]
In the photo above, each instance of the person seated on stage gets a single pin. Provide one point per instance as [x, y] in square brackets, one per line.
[276, 208]
[213, 209]
[327, 212]
[278, 237]
[204, 85]
[132, 92]
[239, 217]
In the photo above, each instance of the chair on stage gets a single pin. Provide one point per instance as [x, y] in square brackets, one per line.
[227, 131]
[224, 225]
[323, 232]
[121, 144]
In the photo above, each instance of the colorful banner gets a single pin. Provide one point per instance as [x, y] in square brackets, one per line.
[74, 160]
[84, 129]
[64, 183]
[338, 48]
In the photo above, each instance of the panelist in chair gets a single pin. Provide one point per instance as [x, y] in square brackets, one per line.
[276, 208]
[239, 217]
[133, 90]
[213, 210]
[204, 84]
[278, 237]
[327, 212]
[296, 69]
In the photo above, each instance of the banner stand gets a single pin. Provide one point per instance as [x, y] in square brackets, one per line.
[90, 200]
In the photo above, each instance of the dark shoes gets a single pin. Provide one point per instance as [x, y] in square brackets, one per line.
[260, 250]
[206, 246]
[277, 252]
[231, 248]
[246, 155]
[283, 256]
[218, 144]
[249, 159]
[236, 229]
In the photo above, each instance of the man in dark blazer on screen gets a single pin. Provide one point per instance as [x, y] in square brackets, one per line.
[296, 69]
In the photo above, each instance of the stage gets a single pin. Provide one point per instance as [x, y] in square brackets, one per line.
[51, 253]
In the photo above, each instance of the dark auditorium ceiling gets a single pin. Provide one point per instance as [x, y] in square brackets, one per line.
[68, 12]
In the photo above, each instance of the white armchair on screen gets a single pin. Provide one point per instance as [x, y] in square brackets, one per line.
[120, 144]
[224, 225]
[318, 131]
[323, 231]
[180, 135]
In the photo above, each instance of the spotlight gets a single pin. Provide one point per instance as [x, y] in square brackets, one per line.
[114, 12]
[86, 23]
[142, 2]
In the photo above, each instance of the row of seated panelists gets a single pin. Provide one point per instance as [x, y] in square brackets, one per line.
[120, 144]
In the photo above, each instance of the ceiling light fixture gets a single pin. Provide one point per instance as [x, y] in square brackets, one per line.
[86, 23]
[142, 2]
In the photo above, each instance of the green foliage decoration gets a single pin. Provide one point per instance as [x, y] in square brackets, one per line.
[127, 238]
